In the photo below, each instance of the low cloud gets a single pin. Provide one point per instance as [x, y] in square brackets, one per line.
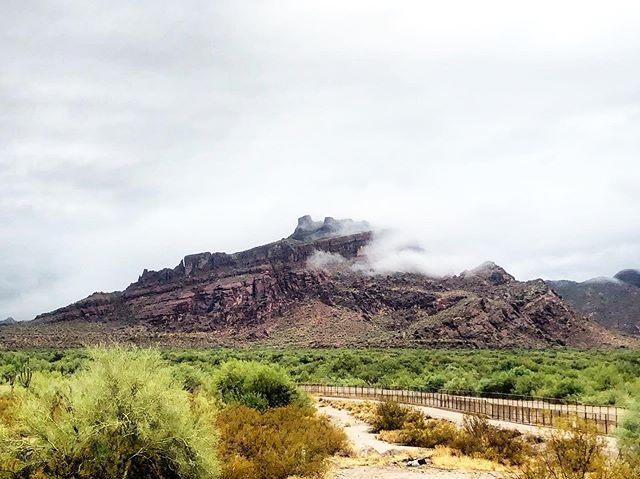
[325, 260]
[132, 134]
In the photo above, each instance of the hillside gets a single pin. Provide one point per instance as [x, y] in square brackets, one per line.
[315, 289]
[612, 302]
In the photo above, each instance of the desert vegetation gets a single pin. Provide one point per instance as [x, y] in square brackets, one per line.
[128, 413]
[607, 377]
[572, 451]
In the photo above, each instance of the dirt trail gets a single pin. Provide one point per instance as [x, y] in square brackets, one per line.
[366, 444]
[457, 418]
[393, 472]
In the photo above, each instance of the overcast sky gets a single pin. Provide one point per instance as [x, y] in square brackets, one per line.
[133, 133]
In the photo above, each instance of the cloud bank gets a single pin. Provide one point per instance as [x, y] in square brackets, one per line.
[134, 134]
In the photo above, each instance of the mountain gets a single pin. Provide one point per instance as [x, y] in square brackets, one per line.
[629, 276]
[612, 302]
[316, 288]
[8, 321]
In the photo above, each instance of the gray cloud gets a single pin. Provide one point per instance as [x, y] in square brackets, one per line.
[131, 135]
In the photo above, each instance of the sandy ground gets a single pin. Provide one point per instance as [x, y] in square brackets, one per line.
[391, 472]
[366, 444]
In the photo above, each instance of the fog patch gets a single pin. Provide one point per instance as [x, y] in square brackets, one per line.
[392, 251]
[325, 260]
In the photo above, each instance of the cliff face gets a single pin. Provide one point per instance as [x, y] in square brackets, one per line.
[281, 294]
[207, 290]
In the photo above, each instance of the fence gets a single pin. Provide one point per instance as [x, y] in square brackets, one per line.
[503, 407]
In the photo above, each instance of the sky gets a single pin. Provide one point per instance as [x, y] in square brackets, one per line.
[134, 133]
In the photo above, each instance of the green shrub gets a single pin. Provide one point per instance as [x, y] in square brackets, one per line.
[478, 438]
[389, 416]
[277, 443]
[125, 416]
[255, 385]
[575, 451]
[629, 434]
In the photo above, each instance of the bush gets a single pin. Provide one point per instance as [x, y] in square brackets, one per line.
[629, 435]
[255, 385]
[575, 451]
[7, 404]
[125, 416]
[478, 438]
[277, 443]
[427, 433]
[389, 416]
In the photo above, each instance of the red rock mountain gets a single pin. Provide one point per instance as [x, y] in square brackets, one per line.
[315, 289]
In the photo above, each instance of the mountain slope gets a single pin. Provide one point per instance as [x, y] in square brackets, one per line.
[315, 289]
[8, 321]
[612, 302]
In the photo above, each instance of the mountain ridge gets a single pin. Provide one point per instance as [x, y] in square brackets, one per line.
[281, 294]
[613, 302]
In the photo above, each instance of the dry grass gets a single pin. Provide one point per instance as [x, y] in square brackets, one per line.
[447, 458]
[361, 410]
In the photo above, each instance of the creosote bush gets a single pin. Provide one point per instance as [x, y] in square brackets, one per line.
[125, 416]
[255, 385]
[276, 444]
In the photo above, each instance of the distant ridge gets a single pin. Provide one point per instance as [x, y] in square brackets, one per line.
[612, 302]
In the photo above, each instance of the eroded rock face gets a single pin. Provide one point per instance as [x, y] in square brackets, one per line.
[270, 294]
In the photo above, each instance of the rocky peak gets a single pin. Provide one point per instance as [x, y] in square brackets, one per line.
[341, 237]
[629, 276]
[310, 230]
[8, 321]
[490, 272]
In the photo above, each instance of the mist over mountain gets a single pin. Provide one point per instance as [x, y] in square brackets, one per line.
[319, 287]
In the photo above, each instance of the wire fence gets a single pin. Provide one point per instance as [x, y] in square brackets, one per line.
[536, 411]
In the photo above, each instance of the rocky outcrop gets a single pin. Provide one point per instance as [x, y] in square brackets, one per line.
[309, 230]
[280, 294]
